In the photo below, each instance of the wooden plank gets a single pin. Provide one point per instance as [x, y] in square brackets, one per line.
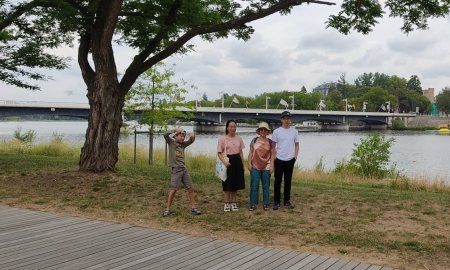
[221, 247]
[156, 249]
[292, 261]
[196, 254]
[326, 264]
[315, 263]
[283, 261]
[303, 262]
[362, 266]
[26, 236]
[154, 253]
[37, 253]
[148, 263]
[217, 256]
[60, 239]
[268, 252]
[107, 254]
[374, 267]
[130, 253]
[239, 258]
[104, 244]
[349, 265]
[274, 258]
[45, 235]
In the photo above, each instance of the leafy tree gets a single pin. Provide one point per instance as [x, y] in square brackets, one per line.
[342, 86]
[303, 90]
[156, 97]
[334, 101]
[414, 84]
[204, 96]
[443, 100]
[376, 96]
[155, 30]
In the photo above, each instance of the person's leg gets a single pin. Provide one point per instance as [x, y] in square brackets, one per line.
[277, 182]
[170, 198]
[255, 176]
[187, 181]
[265, 179]
[233, 195]
[227, 199]
[191, 196]
[289, 169]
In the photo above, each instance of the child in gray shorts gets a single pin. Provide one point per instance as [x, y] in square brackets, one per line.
[175, 139]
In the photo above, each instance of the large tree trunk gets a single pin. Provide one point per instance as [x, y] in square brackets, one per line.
[106, 99]
[100, 150]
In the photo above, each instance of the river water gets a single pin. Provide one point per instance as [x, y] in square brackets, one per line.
[420, 155]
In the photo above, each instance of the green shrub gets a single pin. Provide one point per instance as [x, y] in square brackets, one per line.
[398, 124]
[371, 156]
[27, 137]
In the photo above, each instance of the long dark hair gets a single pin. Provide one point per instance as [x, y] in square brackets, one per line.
[227, 124]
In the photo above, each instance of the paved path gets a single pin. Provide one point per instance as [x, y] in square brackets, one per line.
[39, 240]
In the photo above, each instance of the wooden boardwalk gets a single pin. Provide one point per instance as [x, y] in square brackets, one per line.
[39, 240]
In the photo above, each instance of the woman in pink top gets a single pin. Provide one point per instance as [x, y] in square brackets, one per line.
[231, 145]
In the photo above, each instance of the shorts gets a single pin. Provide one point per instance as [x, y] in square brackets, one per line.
[180, 175]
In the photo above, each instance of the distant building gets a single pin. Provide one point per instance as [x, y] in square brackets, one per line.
[325, 88]
[429, 93]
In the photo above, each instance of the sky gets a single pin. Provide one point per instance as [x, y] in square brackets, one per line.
[284, 53]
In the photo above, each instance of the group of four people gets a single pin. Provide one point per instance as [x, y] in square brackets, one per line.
[266, 156]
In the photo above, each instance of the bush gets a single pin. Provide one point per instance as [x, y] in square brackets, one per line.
[27, 137]
[398, 124]
[369, 158]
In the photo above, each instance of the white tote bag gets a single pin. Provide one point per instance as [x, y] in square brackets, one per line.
[221, 169]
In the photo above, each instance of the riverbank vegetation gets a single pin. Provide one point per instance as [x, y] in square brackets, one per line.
[390, 221]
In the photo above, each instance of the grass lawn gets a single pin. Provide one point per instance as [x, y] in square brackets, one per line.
[388, 222]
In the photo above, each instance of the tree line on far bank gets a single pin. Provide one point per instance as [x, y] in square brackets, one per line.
[374, 91]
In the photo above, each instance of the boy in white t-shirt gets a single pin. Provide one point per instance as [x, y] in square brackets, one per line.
[287, 147]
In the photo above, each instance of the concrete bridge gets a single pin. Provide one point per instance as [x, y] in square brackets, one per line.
[210, 119]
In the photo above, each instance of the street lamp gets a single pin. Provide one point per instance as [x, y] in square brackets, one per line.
[267, 102]
[292, 97]
[364, 106]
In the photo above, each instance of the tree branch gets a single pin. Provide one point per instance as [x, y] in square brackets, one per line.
[139, 64]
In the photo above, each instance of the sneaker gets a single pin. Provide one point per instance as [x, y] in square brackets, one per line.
[195, 212]
[266, 207]
[288, 205]
[252, 208]
[276, 206]
[227, 207]
[234, 207]
[166, 213]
